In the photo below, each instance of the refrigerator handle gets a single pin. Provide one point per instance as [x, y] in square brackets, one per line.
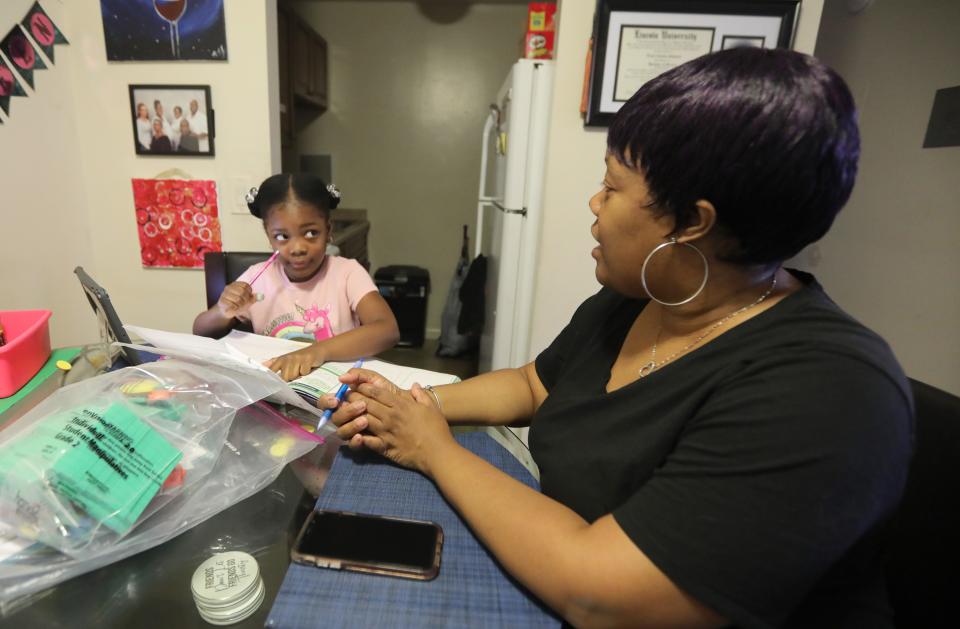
[488, 126]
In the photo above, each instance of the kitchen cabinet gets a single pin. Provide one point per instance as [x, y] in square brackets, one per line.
[302, 59]
[306, 62]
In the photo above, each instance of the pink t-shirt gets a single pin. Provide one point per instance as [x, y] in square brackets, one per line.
[314, 310]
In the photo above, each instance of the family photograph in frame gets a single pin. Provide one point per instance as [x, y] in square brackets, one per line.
[172, 120]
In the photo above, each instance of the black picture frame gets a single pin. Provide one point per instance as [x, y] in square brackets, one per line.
[200, 123]
[771, 23]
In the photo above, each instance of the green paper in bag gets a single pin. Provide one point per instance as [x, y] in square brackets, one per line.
[108, 463]
[115, 466]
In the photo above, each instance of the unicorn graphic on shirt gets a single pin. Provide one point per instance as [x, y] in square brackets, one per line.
[314, 325]
[317, 321]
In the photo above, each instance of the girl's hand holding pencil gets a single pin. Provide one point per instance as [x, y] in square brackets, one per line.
[236, 298]
[239, 296]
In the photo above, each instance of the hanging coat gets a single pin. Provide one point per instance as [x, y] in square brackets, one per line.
[452, 342]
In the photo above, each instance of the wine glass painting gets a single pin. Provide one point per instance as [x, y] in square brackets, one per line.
[172, 11]
[164, 30]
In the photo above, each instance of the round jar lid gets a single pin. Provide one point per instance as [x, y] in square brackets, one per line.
[225, 580]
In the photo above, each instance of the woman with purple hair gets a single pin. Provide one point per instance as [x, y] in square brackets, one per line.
[719, 443]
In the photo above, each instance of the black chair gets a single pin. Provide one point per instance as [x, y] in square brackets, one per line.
[923, 565]
[221, 268]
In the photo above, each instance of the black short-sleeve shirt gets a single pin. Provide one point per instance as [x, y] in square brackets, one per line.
[756, 471]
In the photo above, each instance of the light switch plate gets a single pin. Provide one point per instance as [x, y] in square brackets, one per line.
[237, 188]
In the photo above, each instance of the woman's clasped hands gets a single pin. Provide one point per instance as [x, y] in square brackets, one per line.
[403, 425]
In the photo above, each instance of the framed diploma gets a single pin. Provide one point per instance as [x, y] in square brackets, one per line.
[636, 40]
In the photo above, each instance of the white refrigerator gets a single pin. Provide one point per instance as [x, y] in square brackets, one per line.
[510, 209]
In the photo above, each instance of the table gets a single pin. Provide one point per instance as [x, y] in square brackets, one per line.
[152, 589]
[472, 590]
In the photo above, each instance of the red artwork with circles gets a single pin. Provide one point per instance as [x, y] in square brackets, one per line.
[177, 221]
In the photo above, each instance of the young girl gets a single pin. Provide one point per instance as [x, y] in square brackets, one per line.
[304, 295]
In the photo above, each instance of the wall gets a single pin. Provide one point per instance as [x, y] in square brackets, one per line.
[409, 93]
[44, 230]
[247, 123]
[77, 208]
[574, 170]
[891, 258]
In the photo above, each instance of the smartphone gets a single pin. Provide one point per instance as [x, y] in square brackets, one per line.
[375, 544]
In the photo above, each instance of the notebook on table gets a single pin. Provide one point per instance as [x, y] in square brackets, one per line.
[244, 350]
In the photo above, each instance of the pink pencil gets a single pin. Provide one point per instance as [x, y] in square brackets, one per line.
[265, 267]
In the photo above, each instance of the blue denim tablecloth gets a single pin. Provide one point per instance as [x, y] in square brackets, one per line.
[472, 590]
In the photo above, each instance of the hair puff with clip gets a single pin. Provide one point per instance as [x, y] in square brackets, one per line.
[335, 195]
[251, 197]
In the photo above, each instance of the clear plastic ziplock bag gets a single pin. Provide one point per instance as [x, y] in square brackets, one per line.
[99, 458]
[260, 442]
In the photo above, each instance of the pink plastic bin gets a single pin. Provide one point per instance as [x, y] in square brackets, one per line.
[28, 347]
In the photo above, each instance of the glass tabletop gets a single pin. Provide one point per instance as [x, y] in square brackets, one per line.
[152, 589]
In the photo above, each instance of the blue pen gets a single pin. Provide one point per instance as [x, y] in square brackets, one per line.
[342, 391]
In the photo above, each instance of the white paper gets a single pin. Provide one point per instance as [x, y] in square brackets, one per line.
[404, 377]
[246, 351]
[200, 349]
[261, 347]
[199, 346]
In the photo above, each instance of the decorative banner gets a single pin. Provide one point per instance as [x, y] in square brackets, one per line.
[9, 86]
[44, 31]
[164, 30]
[177, 221]
[20, 51]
